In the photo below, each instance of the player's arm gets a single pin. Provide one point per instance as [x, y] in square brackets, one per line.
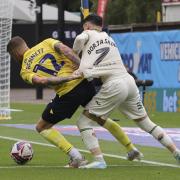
[80, 41]
[49, 81]
[32, 78]
[68, 52]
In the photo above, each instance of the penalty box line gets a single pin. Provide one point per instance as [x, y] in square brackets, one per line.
[105, 154]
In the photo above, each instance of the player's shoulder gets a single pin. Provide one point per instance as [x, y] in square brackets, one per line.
[50, 40]
[95, 33]
[89, 34]
[89, 31]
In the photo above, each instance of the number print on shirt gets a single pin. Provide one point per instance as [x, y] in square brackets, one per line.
[56, 66]
[103, 52]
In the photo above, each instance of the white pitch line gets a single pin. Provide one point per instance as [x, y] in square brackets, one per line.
[85, 151]
[13, 110]
[28, 166]
[44, 166]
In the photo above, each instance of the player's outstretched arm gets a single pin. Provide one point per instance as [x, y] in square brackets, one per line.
[53, 80]
[68, 52]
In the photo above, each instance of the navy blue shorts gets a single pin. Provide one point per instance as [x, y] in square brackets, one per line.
[65, 106]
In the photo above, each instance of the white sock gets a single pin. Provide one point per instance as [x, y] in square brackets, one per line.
[75, 154]
[177, 151]
[157, 132]
[99, 158]
[89, 138]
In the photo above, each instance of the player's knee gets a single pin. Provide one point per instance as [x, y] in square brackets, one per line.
[84, 122]
[95, 118]
[146, 124]
[39, 128]
[86, 113]
[42, 125]
[81, 122]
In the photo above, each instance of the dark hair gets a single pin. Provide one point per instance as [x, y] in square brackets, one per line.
[94, 19]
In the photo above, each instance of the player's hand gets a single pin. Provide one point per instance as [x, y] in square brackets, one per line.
[75, 66]
[76, 75]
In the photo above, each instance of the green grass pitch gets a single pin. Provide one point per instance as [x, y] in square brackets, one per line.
[48, 162]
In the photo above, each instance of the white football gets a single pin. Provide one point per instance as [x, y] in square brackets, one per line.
[22, 152]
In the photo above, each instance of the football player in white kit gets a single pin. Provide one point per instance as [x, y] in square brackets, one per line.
[101, 59]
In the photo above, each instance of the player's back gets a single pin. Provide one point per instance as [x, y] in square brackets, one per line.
[43, 60]
[101, 53]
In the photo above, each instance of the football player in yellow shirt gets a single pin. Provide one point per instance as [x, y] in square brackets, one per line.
[52, 63]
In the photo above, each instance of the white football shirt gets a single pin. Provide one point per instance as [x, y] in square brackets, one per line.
[100, 55]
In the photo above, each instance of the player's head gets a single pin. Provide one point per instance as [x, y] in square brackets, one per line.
[17, 47]
[92, 21]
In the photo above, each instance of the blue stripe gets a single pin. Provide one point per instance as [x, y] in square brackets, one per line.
[86, 4]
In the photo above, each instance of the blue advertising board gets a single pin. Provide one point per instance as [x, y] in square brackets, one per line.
[152, 55]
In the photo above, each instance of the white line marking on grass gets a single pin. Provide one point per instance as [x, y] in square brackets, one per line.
[44, 166]
[85, 151]
[29, 166]
[14, 110]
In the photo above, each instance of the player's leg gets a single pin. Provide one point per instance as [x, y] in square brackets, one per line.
[56, 138]
[159, 134]
[116, 130]
[90, 140]
[85, 126]
[134, 109]
[53, 135]
[57, 110]
[102, 104]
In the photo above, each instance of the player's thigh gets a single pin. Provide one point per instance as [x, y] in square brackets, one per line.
[59, 109]
[133, 107]
[85, 93]
[109, 97]
[65, 106]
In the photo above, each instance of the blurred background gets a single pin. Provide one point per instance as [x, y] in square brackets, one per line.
[147, 34]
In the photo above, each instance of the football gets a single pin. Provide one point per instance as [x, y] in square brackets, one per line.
[21, 152]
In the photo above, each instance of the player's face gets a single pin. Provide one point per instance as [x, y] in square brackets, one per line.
[86, 26]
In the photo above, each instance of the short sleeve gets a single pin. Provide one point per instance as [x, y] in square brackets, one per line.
[80, 41]
[27, 76]
[51, 42]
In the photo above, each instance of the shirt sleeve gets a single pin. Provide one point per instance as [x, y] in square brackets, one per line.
[80, 41]
[27, 76]
[51, 42]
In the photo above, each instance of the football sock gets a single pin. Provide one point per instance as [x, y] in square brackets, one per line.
[89, 137]
[56, 138]
[74, 153]
[91, 142]
[99, 158]
[157, 132]
[116, 130]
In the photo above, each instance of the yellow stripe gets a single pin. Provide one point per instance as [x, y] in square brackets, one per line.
[85, 12]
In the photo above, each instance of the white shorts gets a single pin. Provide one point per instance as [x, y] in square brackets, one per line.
[121, 93]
